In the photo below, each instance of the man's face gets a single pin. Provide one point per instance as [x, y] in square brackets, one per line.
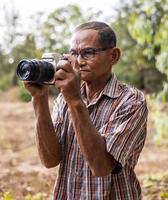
[93, 65]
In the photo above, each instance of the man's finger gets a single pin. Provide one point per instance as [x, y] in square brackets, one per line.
[64, 65]
[74, 63]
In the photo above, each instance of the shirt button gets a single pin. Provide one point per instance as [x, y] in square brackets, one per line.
[77, 173]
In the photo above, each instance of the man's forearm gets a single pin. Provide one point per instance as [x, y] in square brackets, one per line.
[91, 143]
[47, 143]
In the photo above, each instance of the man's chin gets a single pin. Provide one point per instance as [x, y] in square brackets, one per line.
[85, 78]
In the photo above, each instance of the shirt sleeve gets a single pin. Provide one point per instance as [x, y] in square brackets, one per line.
[57, 116]
[125, 132]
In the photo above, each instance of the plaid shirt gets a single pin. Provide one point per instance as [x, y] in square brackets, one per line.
[119, 114]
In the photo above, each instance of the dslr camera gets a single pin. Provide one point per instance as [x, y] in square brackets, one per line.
[39, 71]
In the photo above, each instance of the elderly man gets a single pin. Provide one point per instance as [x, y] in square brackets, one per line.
[98, 125]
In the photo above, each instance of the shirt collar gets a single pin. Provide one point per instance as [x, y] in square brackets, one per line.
[112, 89]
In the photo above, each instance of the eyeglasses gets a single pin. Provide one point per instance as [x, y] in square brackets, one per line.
[87, 53]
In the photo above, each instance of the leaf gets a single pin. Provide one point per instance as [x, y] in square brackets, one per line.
[7, 196]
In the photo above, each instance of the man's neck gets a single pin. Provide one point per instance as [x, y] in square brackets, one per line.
[93, 89]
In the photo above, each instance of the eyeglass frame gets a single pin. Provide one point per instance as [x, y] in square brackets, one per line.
[92, 54]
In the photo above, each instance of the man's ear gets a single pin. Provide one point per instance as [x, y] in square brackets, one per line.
[115, 55]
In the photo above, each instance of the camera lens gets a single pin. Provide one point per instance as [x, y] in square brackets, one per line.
[27, 70]
[24, 71]
[38, 71]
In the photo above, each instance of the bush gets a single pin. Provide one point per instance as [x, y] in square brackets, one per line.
[159, 115]
[163, 95]
[161, 125]
[155, 186]
[7, 196]
[5, 82]
[38, 196]
[23, 93]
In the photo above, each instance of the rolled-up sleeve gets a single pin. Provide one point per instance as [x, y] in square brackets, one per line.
[57, 116]
[125, 132]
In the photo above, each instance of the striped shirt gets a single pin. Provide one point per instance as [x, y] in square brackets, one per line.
[119, 114]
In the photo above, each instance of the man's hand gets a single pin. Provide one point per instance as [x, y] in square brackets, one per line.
[46, 139]
[36, 90]
[67, 79]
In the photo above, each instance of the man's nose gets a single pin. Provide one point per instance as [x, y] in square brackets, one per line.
[81, 61]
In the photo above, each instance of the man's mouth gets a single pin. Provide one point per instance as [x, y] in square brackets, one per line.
[84, 70]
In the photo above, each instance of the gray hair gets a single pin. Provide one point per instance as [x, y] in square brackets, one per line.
[106, 36]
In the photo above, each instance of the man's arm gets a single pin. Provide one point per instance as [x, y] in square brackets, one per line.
[91, 143]
[47, 142]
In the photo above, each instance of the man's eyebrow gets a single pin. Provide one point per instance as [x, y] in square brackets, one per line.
[72, 50]
[86, 48]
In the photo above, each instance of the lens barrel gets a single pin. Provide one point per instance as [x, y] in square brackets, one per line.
[37, 71]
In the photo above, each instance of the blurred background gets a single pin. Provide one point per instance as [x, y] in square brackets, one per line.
[30, 28]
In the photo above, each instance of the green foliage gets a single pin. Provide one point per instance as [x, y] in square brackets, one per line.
[23, 94]
[134, 67]
[159, 116]
[148, 26]
[142, 32]
[7, 196]
[5, 82]
[162, 62]
[163, 95]
[25, 50]
[156, 186]
[129, 75]
[5, 66]
[58, 27]
[53, 36]
[38, 196]
[161, 119]
[164, 195]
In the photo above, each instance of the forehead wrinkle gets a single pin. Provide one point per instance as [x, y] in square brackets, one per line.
[84, 39]
[74, 43]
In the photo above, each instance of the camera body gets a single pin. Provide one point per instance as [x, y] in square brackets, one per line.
[39, 71]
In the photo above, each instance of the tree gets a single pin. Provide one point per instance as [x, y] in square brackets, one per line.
[137, 29]
[11, 35]
[58, 27]
[10, 26]
[51, 36]
[24, 50]
[132, 62]
[148, 26]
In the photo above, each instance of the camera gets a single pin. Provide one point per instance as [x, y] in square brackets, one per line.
[39, 71]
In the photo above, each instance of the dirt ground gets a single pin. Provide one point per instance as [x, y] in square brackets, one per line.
[21, 172]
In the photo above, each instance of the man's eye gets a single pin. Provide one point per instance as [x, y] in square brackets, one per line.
[88, 52]
[73, 53]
